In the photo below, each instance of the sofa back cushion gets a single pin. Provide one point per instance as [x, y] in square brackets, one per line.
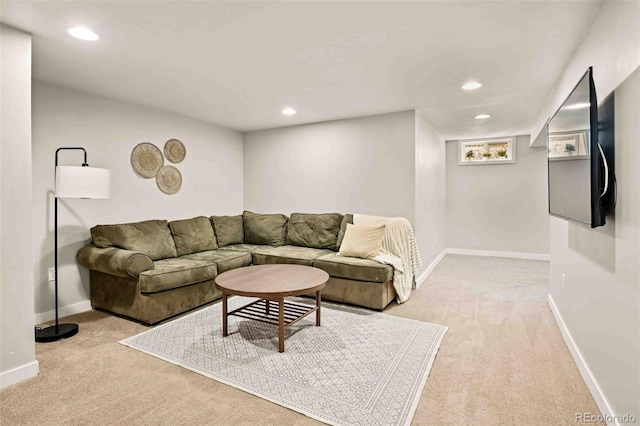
[229, 229]
[269, 229]
[193, 235]
[151, 237]
[314, 230]
[348, 218]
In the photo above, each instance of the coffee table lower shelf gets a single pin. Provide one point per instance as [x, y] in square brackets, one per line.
[281, 312]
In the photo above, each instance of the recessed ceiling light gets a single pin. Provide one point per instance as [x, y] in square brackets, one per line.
[288, 111]
[83, 34]
[578, 105]
[482, 116]
[472, 85]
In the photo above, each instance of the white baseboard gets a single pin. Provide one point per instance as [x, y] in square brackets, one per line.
[19, 374]
[76, 308]
[510, 254]
[423, 277]
[585, 371]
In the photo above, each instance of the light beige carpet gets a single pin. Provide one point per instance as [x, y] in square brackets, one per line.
[503, 361]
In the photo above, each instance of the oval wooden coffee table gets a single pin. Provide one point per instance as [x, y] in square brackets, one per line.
[272, 283]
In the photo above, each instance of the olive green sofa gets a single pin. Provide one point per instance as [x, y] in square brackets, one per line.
[153, 270]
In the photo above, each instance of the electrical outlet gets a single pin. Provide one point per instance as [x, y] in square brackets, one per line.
[51, 274]
[564, 279]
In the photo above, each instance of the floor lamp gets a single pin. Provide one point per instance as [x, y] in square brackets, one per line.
[73, 182]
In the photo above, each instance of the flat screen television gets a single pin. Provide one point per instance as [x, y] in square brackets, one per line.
[581, 156]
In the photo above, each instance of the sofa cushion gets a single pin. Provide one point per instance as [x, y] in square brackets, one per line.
[229, 229]
[288, 254]
[314, 230]
[248, 248]
[151, 237]
[269, 229]
[348, 218]
[193, 235]
[362, 241]
[354, 268]
[172, 273]
[224, 259]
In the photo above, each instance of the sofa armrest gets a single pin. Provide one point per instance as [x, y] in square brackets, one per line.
[114, 261]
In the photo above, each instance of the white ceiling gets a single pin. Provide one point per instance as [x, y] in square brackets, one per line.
[239, 64]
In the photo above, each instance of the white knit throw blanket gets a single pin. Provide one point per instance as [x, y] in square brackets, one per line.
[399, 249]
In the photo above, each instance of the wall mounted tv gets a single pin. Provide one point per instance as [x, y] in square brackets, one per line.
[580, 141]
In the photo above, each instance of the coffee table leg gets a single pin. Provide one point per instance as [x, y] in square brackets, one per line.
[318, 306]
[224, 314]
[281, 324]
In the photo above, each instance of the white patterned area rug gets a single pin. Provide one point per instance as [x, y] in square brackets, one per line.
[358, 368]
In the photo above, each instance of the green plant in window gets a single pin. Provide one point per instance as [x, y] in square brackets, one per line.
[569, 148]
[486, 155]
[469, 155]
[501, 153]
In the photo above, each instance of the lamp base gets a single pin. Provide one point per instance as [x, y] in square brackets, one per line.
[55, 333]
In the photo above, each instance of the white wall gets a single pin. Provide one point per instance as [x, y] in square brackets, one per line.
[387, 165]
[109, 130]
[361, 165]
[600, 304]
[499, 207]
[431, 192]
[17, 345]
[612, 46]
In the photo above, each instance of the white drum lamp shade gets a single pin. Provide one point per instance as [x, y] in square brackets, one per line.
[83, 182]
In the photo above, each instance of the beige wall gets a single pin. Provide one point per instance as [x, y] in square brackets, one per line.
[600, 302]
[109, 130]
[431, 195]
[17, 346]
[361, 165]
[498, 207]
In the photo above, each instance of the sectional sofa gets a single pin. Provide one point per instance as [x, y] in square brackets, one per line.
[153, 270]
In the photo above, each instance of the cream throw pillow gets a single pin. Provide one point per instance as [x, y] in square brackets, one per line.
[362, 241]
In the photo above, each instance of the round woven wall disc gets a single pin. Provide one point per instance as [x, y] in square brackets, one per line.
[174, 150]
[169, 180]
[146, 159]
